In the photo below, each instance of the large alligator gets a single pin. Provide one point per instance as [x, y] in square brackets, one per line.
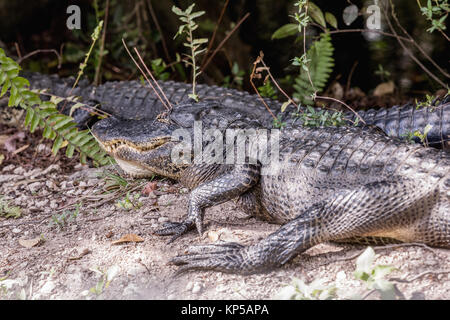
[330, 184]
[132, 100]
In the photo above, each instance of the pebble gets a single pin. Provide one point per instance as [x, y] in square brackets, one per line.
[82, 184]
[163, 219]
[16, 230]
[189, 286]
[47, 287]
[8, 168]
[19, 171]
[34, 187]
[197, 288]
[341, 276]
[53, 204]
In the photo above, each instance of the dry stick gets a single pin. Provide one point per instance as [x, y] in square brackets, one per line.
[347, 87]
[252, 75]
[223, 41]
[102, 46]
[215, 32]
[276, 84]
[155, 20]
[343, 103]
[153, 78]
[410, 54]
[41, 51]
[18, 50]
[420, 275]
[415, 43]
[145, 76]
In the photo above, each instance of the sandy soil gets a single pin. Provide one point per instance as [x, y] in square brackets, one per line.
[69, 252]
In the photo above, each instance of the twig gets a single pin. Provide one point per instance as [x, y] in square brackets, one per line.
[252, 76]
[223, 41]
[143, 73]
[415, 43]
[153, 78]
[343, 103]
[420, 275]
[19, 54]
[349, 79]
[410, 54]
[214, 33]
[102, 46]
[19, 61]
[158, 27]
[276, 83]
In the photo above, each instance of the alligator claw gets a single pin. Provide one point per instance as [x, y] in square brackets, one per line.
[226, 257]
[177, 229]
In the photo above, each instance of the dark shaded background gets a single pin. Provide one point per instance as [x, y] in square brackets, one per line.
[41, 24]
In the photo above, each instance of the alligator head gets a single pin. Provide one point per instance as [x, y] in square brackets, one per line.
[144, 147]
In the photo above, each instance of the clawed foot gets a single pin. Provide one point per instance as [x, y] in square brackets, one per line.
[177, 229]
[225, 257]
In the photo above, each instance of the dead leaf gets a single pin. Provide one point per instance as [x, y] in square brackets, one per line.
[29, 243]
[149, 188]
[85, 252]
[384, 89]
[128, 238]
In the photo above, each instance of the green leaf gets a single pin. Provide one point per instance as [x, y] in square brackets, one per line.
[70, 150]
[331, 19]
[365, 260]
[177, 11]
[316, 14]
[287, 30]
[196, 14]
[189, 9]
[57, 145]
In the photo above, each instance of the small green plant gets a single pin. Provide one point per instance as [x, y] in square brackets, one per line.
[278, 123]
[189, 26]
[312, 117]
[8, 211]
[113, 181]
[436, 12]
[158, 68]
[382, 73]
[409, 136]
[66, 217]
[317, 63]
[267, 90]
[105, 278]
[235, 79]
[427, 103]
[299, 290]
[373, 276]
[130, 202]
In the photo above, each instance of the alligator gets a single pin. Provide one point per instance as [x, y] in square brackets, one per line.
[344, 184]
[133, 100]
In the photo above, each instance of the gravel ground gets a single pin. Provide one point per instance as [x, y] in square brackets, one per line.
[56, 251]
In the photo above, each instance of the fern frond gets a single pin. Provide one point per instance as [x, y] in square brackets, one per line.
[320, 67]
[56, 126]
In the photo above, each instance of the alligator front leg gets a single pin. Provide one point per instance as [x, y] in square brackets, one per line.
[373, 209]
[221, 189]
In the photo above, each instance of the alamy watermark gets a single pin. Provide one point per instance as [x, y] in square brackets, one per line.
[74, 20]
[231, 146]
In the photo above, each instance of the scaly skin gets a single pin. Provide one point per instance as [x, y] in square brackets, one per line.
[330, 184]
[132, 100]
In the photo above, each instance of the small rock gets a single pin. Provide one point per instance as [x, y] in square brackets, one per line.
[16, 230]
[51, 185]
[82, 184]
[19, 171]
[163, 219]
[34, 187]
[189, 286]
[53, 204]
[197, 288]
[8, 168]
[48, 287]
